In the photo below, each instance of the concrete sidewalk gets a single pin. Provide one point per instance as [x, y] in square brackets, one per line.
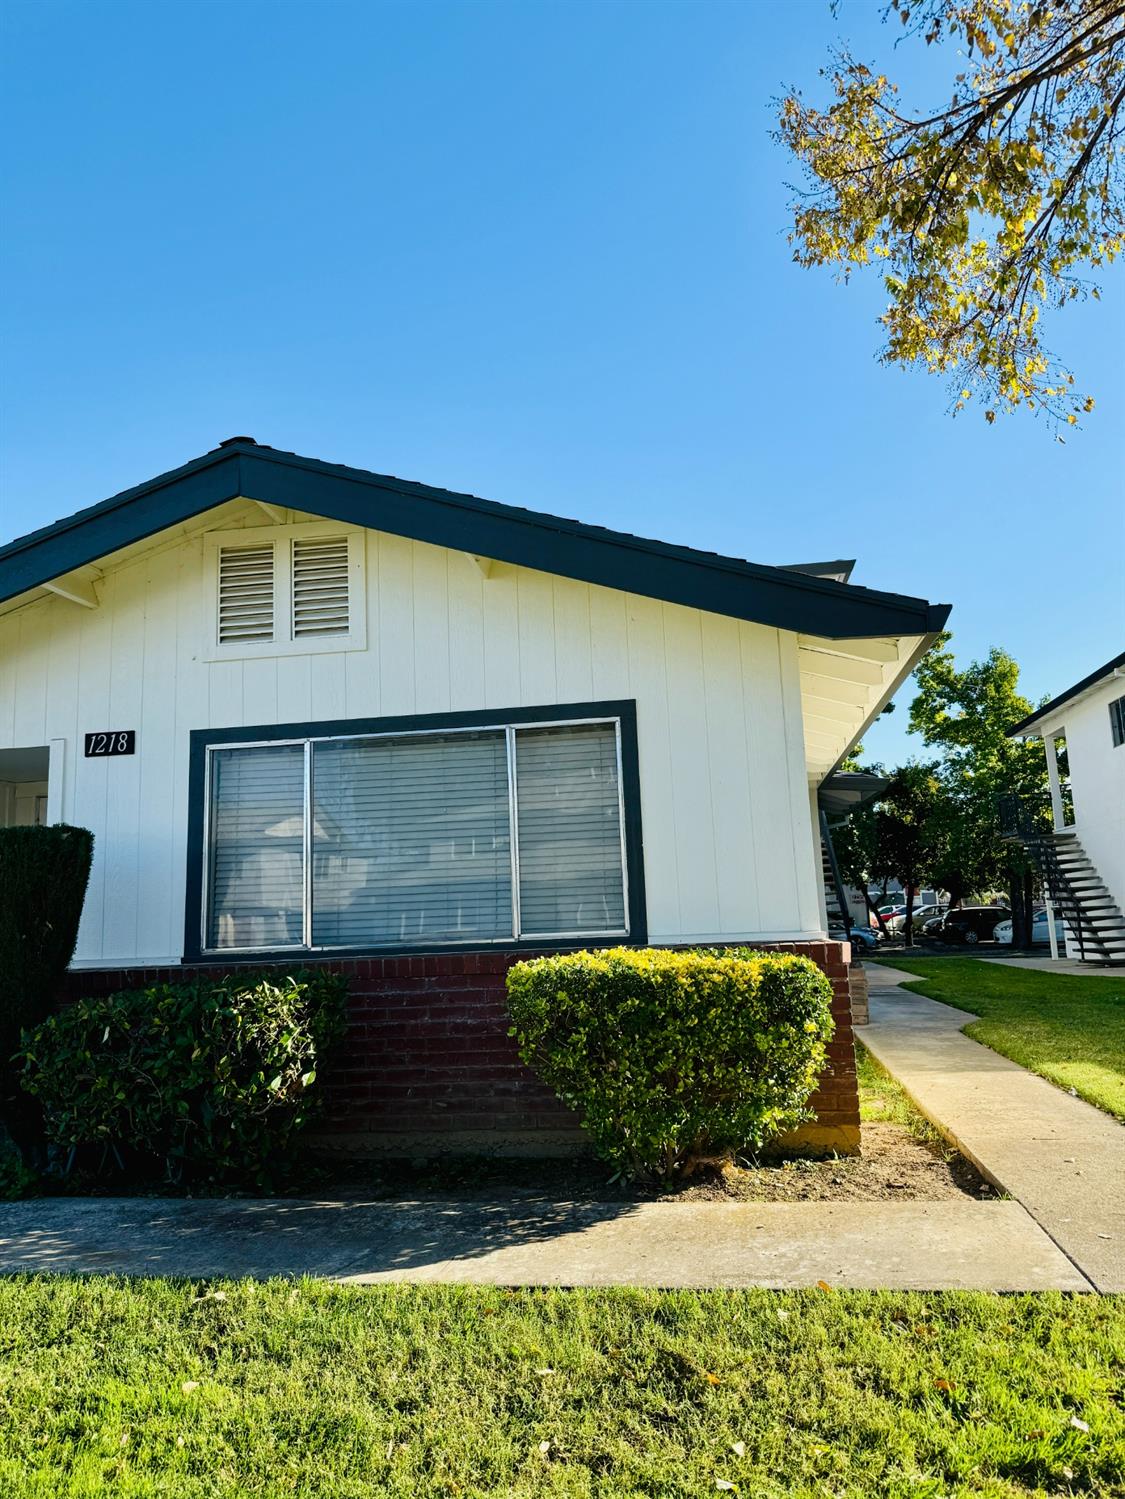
[897, 1245]
[1062, 1159]
[1047, 964]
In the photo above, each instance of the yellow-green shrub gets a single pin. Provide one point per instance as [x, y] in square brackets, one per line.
[674, 1058]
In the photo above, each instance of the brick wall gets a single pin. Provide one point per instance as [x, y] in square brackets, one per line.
[427, 1063]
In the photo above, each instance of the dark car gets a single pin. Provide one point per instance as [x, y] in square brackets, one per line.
[969, 924]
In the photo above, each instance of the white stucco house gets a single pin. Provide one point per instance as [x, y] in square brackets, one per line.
[312, 712]
[1083, 859]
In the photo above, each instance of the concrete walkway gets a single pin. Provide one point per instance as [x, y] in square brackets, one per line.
[898, 1245]
[1047, 964]
[1062, 1159]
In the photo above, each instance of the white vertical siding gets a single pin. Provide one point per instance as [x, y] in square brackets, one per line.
[728, 838]
[1097, 781]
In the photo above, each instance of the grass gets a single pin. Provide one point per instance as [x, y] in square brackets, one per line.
[166, 1388]
[882, 1101]
[1069, 1028]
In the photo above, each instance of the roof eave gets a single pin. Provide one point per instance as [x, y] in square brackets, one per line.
[1026, 726]
[744, 590]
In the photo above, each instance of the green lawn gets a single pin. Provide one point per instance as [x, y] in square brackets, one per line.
[110, 1387]
[1067, 1027]
[882, 1100]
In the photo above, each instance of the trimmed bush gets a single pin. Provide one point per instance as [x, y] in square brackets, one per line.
[44, 872]
[208, 1081]
[674, 1059]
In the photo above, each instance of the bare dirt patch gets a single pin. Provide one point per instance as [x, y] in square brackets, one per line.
[895, 1166]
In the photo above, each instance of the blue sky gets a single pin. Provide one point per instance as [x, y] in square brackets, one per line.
[534, 251]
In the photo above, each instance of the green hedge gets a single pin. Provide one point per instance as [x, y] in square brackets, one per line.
[44, 872]
[674, 1059]
[207, 1081]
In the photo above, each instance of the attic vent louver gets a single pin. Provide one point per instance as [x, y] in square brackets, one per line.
[246, 592]
[320, 587]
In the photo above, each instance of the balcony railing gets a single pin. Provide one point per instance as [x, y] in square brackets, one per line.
[1023, 818]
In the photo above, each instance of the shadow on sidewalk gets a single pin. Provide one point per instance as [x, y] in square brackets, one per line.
[261, 1238]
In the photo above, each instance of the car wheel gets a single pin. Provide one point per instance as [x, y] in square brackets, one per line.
[971, 936]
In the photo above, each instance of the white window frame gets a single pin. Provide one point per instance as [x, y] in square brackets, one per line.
[510, 732]
[284, 643]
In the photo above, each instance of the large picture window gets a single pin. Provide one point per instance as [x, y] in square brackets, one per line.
[469, 835]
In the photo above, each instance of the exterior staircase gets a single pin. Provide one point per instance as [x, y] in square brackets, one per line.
[839, 920]
[1086, 907]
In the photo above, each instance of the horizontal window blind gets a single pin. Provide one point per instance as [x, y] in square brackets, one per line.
[320, 587]
[257, 847]
[246, 593]
[569, 830]
[411, 840]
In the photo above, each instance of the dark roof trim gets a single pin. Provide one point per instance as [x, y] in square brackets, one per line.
[1064, 697]
[593, 554]
[841, 569]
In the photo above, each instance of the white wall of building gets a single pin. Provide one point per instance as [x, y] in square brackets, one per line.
[728, 837]
[1097, 781]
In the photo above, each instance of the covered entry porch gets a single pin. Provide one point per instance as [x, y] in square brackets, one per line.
[30, 782]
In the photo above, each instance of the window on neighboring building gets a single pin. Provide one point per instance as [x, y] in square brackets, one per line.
[471, 836]
[281, 589]
[1117, 720]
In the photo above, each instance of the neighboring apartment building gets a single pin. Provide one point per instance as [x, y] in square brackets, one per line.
[1083, 860]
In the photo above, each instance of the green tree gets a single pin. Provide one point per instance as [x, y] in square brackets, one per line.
[910, 830]
[986, 210]
[968, 714]
[860, 853]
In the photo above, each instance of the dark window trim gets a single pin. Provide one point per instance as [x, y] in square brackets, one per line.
[202, 740]
[1117, 721]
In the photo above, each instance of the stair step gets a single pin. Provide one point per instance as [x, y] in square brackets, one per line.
[1103, 912]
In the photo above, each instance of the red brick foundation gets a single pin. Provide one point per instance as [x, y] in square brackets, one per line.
[427, 1063]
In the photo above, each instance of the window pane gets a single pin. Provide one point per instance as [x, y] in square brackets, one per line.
[257, 866]
[569, 830]
[411, 841]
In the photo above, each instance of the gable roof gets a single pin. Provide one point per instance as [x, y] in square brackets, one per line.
[241, 468]
[1103, 673]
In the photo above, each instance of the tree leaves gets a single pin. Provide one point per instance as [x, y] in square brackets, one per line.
[984, 211]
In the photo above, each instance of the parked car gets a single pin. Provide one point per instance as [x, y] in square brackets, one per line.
[1040, 932]
[920, 914]
[866, 937]
[970, 924]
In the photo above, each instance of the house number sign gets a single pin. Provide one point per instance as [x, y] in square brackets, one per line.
[111, 742]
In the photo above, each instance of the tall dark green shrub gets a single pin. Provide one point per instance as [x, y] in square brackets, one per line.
[43, 877]
[202, 1082]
